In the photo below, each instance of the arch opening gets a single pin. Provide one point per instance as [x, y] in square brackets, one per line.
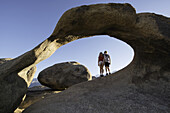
[86, 51]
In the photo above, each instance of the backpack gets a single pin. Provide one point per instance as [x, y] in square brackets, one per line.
[106, 58]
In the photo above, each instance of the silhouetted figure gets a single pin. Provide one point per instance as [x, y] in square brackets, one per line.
[101, 63]
[107, 62]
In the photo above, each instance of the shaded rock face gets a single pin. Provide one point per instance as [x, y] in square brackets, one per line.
[33, 95]
[12, 85]
[64, 75]
[3, 60]
[143, 86]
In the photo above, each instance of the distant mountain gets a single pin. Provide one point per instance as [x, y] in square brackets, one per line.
[34, 82]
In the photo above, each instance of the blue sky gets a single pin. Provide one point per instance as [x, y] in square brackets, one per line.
[25, 24]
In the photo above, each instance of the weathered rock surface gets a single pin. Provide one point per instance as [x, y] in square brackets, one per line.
[12, 85]
[64, 75]
[33, 95]
[143, 86]
[3, 60]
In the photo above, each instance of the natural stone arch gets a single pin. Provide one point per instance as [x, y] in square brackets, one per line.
[142, 32]
[121, 54]
[148, 34]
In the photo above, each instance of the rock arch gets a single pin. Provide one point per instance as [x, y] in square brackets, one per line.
[148, 34]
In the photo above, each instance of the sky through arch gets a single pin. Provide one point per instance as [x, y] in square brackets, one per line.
[86, 51]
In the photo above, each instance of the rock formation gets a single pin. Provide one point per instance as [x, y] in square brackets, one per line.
[143, 86]
[13, 84]
[33, 95]
[3, 60]
[63, 75]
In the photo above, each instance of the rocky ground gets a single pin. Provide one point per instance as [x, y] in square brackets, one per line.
[35, 94]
